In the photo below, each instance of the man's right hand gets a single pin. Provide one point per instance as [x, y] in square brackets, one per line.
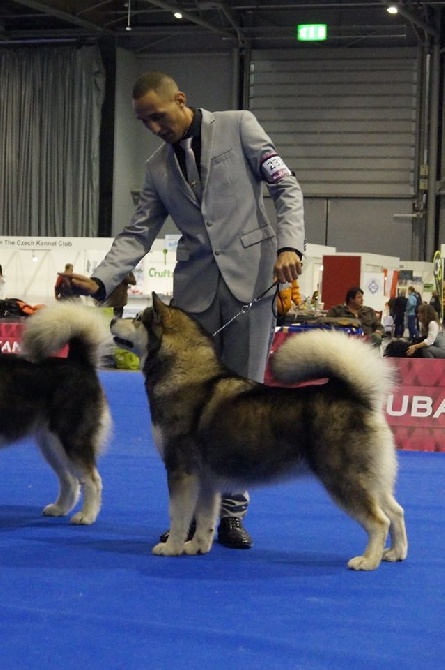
[81, 285]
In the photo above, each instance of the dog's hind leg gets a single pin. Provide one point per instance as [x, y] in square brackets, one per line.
[206, 514]
[91, 484]
[350, 492]
[84, 467]
[376, 524]
[398, 549]
[397, 530]
[183, 492]
[69, 487]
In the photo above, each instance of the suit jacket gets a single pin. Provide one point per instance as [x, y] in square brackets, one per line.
[227, 230]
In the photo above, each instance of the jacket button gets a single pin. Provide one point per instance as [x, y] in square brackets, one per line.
[217, 252]
[209, 223]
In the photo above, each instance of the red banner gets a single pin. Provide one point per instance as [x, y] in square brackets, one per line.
[416, 410]
[10, 336]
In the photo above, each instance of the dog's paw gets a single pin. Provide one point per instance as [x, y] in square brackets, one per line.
[363, 563]
[53, 510]
[196, 547]
[82, 519]
[164, 549]
[392, 555]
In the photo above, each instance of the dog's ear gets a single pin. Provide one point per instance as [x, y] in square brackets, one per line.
[156, 304]
[159, 308]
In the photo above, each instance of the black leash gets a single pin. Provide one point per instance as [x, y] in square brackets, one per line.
[248, 306]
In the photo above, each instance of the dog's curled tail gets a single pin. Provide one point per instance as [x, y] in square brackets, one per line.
[322, 353]
[84, 328]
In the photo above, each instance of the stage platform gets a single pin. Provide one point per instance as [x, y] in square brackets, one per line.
[94, 597]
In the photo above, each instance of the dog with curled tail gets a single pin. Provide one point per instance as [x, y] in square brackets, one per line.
[217, 431]
[59, 402]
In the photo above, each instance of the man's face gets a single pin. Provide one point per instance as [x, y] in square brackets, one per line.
[166, 117]
[357, 301]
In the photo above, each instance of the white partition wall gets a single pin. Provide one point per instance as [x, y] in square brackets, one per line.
[30, 265]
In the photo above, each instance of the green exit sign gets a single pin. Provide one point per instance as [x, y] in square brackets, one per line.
[312, 32]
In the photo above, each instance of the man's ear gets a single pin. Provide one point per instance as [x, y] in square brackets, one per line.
[181, 99]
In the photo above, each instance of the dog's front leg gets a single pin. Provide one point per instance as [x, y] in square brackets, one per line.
[207, 511]
[183, 491]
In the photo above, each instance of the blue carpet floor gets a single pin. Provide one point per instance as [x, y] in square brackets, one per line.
[94, 598]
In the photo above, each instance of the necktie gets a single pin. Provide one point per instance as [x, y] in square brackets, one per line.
[191, 167]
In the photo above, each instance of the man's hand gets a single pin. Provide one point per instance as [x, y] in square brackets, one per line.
[81, 285]
[288, 267]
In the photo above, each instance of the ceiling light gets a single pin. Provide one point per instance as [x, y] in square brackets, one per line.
[177, 15]
[392, 9]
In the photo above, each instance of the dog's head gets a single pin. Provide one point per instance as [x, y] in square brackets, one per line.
[143, 334]
[163, 328]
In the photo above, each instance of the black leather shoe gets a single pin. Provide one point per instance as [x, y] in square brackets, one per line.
[192, 529]
[232, 534]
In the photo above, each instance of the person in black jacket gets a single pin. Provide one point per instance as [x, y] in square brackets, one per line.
[399, 314]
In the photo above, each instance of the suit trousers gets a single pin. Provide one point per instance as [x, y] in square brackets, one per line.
[243, 347]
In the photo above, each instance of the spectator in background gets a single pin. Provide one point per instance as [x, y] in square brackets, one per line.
[2, 284]
[433, 344]
[399, 314]
[119, 297]
[435, 302]
[353, 308]
[388, 321]
[411, 310]
[63, 289]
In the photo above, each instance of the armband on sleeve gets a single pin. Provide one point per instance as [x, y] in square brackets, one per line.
[273, 168]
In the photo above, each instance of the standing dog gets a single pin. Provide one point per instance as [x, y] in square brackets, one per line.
[59, 401]
[216, 430]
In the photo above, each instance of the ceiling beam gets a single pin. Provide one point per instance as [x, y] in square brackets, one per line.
[44, 8]
[190, 17]
[412, 18]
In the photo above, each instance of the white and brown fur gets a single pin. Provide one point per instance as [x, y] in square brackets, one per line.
[216, 431]
[59, 401]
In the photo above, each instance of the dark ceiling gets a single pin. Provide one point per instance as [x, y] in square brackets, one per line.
[149, 26]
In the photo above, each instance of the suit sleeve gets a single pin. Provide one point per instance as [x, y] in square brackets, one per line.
[282, 185]
[135, 240]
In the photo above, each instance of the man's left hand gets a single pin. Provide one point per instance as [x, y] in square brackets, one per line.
[288, 267]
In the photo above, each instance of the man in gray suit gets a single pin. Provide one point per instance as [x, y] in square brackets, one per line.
[229, 253]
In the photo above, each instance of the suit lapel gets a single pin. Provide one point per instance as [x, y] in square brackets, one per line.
[207, 139]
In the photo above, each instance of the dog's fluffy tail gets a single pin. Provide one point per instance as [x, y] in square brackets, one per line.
[84, 328]
[322, 353]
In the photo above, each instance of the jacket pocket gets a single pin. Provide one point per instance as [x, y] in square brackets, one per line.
[256, 236]
[221, 158]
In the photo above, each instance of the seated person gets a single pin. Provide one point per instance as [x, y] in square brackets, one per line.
[433, 344]
[353, 308]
